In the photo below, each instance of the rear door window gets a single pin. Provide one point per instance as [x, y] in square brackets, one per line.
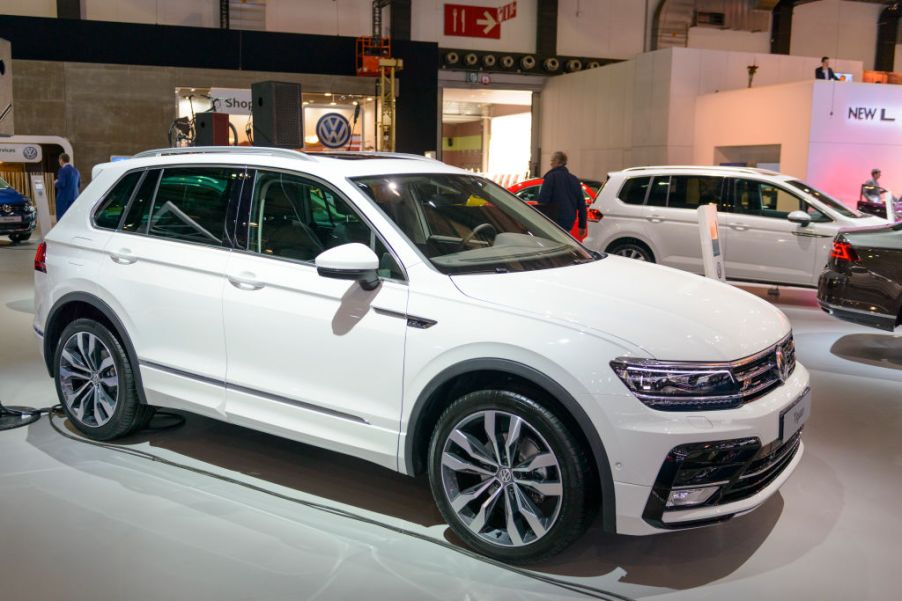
[138, 212]
[657, 195]
[691, 191]
[191, 204]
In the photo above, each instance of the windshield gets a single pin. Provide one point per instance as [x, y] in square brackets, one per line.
[467, 224]
[826, 199]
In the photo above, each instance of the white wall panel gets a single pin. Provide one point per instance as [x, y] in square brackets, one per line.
[194, 13]
[601, 28]
[727, 39]
[836, 28]
[517, 34]
[323, 17]
[29, 8]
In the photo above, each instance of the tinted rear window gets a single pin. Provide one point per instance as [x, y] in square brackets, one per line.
[113, 206]
[634, 190]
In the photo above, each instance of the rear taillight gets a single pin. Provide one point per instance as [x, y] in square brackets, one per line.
[40, 258]
[594, 215]
[843, 251]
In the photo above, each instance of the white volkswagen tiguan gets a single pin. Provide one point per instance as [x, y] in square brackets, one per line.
[773, 228]
[420, 317]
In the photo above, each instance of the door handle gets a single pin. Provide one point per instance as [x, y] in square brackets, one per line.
[123, 256]
[738, 228]
[655, 219]
[245, 281]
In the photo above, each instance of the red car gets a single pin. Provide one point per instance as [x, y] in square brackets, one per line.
[528, 191]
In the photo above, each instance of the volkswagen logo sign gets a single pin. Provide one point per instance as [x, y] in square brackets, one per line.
[30, 153]
[333, 130]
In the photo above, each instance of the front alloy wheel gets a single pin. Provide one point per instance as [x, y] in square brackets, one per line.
[508, 476]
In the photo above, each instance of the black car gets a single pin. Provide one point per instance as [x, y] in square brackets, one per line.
[863, 279]
[17, 216]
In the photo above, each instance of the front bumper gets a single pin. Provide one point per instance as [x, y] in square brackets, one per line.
[26, 225]
[760, 466]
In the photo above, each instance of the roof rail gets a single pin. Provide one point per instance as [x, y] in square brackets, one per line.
[371, 154]
[276, 152]
[714, 167]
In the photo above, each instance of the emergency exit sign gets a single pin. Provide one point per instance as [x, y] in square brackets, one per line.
[477, 21]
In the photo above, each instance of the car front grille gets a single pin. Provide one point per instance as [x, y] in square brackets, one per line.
[759, 374]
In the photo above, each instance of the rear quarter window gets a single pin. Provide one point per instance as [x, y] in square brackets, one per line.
[109, 213]
[634, 190]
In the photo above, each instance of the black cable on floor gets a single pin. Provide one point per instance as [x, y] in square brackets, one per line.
[583, 589]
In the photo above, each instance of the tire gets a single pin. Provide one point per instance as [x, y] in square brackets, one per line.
[501, 512]
[95, 382]
[16, 238]
[632, 250]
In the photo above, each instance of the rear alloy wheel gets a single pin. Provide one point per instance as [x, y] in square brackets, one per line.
[630, 250]
[95, 381]
[508, 476]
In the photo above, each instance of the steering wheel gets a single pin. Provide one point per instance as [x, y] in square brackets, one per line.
[466, 239]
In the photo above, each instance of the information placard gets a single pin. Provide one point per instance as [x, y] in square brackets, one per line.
[711, 252]
[42, 203]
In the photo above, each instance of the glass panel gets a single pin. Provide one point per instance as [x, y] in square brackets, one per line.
[191, 203]
[768, 200]
[467, 224]
[139, 209]
[634, 190]
[657, 196]
[530, 193]
[828, 200]
[111, 209]
[296, 218]
[690, 191]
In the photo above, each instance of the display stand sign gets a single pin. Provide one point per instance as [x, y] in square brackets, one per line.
[42, 203]
[711, 255]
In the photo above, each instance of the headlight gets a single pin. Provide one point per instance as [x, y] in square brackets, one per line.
[675, 386]
[29, 205]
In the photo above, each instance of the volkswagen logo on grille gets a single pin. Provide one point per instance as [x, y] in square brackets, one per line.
[6, 208]
[333, 130]
[781, 365]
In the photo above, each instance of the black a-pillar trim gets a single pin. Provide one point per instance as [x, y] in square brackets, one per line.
[887, 35]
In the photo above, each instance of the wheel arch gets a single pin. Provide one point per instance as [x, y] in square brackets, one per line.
[77, 305]
[476, 374]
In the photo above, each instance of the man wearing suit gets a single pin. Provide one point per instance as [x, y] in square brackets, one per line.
[824, 71]
[67, 185]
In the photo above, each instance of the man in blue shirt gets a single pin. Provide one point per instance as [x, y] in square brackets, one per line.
[67, 186]
[561, 196]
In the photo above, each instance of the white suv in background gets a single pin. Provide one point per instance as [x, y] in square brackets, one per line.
[773, 228]
[422, 318]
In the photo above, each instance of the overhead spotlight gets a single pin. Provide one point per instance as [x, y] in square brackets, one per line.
[452, 58]
[528, 62]
[593, 65]
[489, 60]
[507, 61]
[470, 59]
[574, 64]
[551, 64]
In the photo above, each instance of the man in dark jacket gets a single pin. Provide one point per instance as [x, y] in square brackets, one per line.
[561, 196]
[67, 186]
[824, 71]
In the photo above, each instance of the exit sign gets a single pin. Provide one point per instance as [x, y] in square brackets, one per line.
[470, 21]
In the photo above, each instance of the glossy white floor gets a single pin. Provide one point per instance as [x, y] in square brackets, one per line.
[79, 522]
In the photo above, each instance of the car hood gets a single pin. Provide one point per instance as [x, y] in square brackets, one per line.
[668, 314]
[9, 196]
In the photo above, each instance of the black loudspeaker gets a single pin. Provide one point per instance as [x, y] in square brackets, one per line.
[278, 120]
[211, 129]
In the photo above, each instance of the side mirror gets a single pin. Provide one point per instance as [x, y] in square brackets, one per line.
[800, 217]
[350, 262]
